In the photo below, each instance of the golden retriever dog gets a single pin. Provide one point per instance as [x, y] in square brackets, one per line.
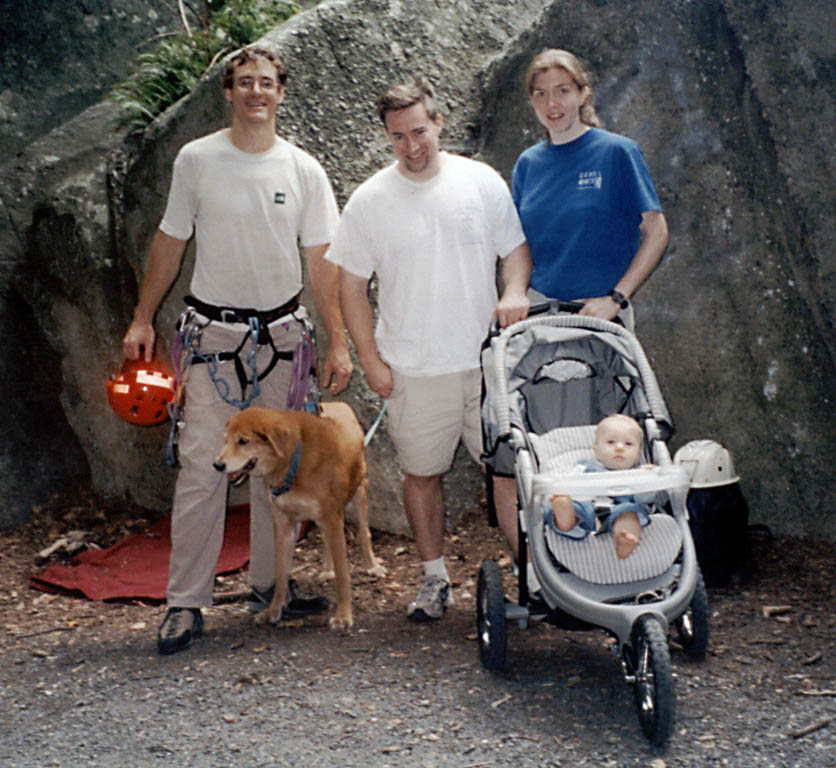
[312, 467]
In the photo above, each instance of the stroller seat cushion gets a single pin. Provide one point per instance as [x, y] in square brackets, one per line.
[594, 559]
[559, 450]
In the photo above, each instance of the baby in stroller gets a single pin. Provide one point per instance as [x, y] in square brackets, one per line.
[618, 442]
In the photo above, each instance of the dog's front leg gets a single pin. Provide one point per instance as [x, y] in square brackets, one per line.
[283, 530]
[333, 529]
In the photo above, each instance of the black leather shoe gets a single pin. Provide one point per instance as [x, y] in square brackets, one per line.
[298, 603]
[302, 603]
[179, 629]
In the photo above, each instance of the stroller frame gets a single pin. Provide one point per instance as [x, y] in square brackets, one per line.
[638, 613]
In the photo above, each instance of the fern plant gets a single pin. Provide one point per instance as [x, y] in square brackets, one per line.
[173, 67]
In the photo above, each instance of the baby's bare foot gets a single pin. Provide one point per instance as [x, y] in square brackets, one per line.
[625, 543]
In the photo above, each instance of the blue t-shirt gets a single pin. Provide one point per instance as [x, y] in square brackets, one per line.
[581, 205]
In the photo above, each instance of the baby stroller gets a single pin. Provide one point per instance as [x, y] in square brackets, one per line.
[548, 380]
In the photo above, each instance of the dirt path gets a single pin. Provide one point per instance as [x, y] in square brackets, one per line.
[83, 681]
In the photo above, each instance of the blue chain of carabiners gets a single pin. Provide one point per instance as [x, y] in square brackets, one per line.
[221, 384]
[190, 352]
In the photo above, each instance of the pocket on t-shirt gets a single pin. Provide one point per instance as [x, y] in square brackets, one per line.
[467, 222]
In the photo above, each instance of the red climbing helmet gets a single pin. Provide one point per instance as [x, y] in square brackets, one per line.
[140, 392]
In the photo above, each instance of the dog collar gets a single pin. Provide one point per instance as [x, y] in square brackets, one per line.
[278, 490]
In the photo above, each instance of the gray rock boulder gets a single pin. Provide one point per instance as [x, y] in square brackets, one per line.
[731, 103]
[82, 204]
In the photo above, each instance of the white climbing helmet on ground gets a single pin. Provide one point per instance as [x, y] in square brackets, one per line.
[707, 463]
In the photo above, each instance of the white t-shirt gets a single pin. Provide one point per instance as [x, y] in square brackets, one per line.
[248, 211]
[433, 246]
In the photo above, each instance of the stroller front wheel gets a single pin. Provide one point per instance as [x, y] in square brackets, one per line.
[649, 661]
[692, 627]
[490, 617]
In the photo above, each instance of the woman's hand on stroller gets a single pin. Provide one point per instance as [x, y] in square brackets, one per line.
[602, 307]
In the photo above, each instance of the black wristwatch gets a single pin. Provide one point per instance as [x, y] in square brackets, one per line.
[619, 298]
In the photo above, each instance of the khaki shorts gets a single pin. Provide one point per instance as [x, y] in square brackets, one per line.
[428, 415]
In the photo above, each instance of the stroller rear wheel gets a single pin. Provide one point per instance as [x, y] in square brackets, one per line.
[649, 661]
[490, 616]
[692, 627]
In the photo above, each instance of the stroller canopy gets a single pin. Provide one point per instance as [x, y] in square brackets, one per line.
[565, 370]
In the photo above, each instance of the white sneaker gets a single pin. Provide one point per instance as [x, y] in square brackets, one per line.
[434, 595]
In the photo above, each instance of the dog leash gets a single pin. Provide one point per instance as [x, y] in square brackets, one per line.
[373, 427]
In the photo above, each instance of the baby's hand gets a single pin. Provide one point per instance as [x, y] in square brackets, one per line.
[648, 466]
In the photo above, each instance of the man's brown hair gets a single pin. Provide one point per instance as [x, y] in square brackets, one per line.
[246, 55]
[405, 95]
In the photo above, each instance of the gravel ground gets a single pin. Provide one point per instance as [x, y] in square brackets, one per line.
[81, 681]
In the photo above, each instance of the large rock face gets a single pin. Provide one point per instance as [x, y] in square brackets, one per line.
[731, 102]
[83, 203]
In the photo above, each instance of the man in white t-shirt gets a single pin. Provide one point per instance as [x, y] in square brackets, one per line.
[431, 227]
[250, 198]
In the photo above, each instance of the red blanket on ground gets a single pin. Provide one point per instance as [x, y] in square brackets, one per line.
[138, 566]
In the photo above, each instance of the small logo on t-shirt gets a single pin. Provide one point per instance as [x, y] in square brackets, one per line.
[590, 180]
[278, 198]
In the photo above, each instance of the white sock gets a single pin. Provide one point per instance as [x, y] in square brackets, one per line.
[531, 577]
[436, 568]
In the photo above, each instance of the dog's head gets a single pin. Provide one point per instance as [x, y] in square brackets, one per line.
[257, 442]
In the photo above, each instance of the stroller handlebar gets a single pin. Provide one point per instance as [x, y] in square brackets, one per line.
[553, 306]
[548, 307]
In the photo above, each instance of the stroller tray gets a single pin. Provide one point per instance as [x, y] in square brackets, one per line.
[593, 559]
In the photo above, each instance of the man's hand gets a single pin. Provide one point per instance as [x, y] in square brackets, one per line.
[516, 273]
[139, 338]
[337, 369]
[378, 376]
[511, 309]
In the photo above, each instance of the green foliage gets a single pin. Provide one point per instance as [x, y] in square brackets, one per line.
[173, 67]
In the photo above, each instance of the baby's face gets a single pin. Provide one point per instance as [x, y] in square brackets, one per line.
[617, 445]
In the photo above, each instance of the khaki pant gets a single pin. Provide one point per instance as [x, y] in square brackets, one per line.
[429, 415]
[200, 496]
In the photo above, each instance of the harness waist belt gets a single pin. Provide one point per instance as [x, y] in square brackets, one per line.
[241, 315]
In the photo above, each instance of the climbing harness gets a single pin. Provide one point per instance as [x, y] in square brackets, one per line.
[303, 390]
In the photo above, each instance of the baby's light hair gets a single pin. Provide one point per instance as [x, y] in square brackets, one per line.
[621, 418]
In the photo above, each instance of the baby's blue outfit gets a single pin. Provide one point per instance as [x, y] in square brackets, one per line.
[585, 510]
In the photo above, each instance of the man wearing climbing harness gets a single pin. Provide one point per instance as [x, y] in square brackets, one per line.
[430, 226]
[250, 198]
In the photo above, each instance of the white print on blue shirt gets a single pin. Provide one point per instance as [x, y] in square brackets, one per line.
[590, 180]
